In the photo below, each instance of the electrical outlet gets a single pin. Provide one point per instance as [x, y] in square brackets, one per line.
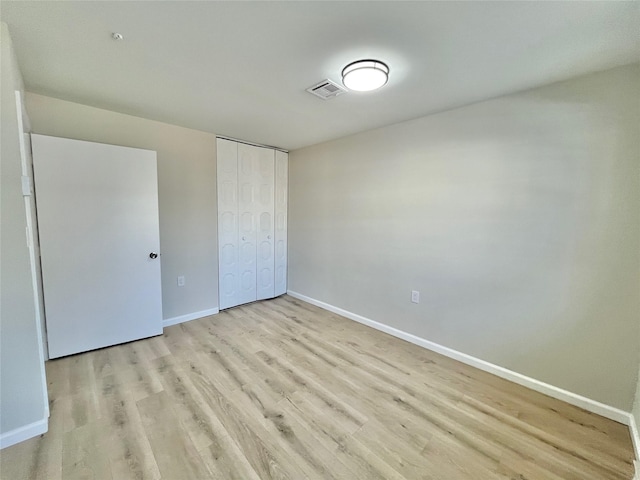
[415, 296]
[181, 281]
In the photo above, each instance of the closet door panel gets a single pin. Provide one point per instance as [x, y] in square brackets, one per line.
[265, 211]
[228, 245]
[281, 195]
[248, 164]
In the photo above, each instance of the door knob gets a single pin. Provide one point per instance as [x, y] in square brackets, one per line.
[153, 255]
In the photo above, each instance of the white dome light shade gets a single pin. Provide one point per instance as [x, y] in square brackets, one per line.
[365, 75]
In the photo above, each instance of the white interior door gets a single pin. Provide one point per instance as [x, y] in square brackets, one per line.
[98, 223]
[281, 180]
[228, 244]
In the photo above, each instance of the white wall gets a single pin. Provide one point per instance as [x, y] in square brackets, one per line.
[23, 399]
[516, 219]
[186, 190]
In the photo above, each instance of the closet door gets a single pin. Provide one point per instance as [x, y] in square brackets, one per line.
[281, 174]
[228, 241]
[248, 192]
[265, 213]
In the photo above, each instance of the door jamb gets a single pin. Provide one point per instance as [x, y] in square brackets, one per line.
[23, 131]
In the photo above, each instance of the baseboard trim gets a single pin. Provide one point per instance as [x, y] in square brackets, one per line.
[189, 316]
[24, 433]
[635, 437]
[588, 404]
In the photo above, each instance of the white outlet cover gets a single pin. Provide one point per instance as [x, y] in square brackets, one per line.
[415, 296]
[181, 281]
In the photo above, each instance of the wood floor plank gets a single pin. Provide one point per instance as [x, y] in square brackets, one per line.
[262, 451]
[129, 449]
[282, 389]
[175, 455]
[83, 455]
[220, 454]
[279, 426]
[349, 452]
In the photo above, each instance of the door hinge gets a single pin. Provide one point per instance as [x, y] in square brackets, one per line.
[26, 186]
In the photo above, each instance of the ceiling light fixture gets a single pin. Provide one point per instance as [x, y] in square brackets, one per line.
[117, 36]
[365, 75]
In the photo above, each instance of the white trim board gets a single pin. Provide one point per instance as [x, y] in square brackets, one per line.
[189, 316]
[588, 404]
[26, 162]
[23, 433]
[635, 437]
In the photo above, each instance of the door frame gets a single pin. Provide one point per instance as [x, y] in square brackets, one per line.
[32, 239]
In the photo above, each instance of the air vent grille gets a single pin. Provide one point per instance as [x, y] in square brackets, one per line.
[326, 89]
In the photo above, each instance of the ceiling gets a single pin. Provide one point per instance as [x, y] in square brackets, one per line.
[240, 69]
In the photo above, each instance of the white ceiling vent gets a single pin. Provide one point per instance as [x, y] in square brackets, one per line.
[326, 89]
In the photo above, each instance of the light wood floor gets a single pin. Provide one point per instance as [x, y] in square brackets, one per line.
[282, 389]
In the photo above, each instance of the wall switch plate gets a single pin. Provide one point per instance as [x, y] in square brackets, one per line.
[181, 281]
[415, 296]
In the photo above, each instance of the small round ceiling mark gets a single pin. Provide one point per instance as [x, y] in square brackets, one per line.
[117, 36]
